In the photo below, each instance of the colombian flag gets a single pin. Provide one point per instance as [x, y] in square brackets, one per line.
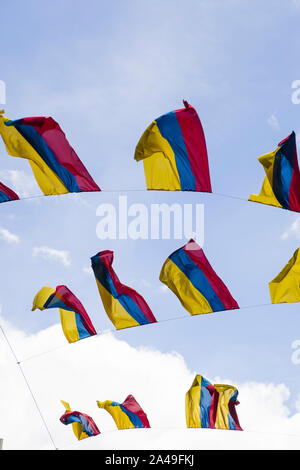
[75, 322]
[124, 306]
[7, 194]
[189, 275]
[127, 415]
[174, 154]
[211, 406]
[56, 167]
[83, 425]
[281, 186]
[285, 287]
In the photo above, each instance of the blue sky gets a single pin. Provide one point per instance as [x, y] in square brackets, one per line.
[104, 71]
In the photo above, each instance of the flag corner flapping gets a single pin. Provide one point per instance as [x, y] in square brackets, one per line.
[285, 287]
[281, 185]
[174, 154]
[83, 425]
[211, 406]
[7, 194]
[126, 415]
[189, 275]
[124, 306]
[55, 165]
[75, 321]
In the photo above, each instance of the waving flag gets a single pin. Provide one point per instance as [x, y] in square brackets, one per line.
[123, 305]
[189, 275]
[127, 415]
[211, 406]
[281, 186]
[174, 154]
[75, 322]
[56, 167]
[285, 287]
[7, 194]
[83, 425]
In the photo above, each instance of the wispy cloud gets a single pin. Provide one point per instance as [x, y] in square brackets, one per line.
[273, 122]
[293, 230]
[8, 236]
[163, 288]
[146, 283]
[87, 270]
[22, 183]
[62, 256]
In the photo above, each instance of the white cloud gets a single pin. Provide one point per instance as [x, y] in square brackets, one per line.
[62, 256]
[105, 367]
[87, 270]
[293, 230]
[22, 183]
[163, 288]
[273, 122]
[8, 236]
[297, 404]
[146, 283]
